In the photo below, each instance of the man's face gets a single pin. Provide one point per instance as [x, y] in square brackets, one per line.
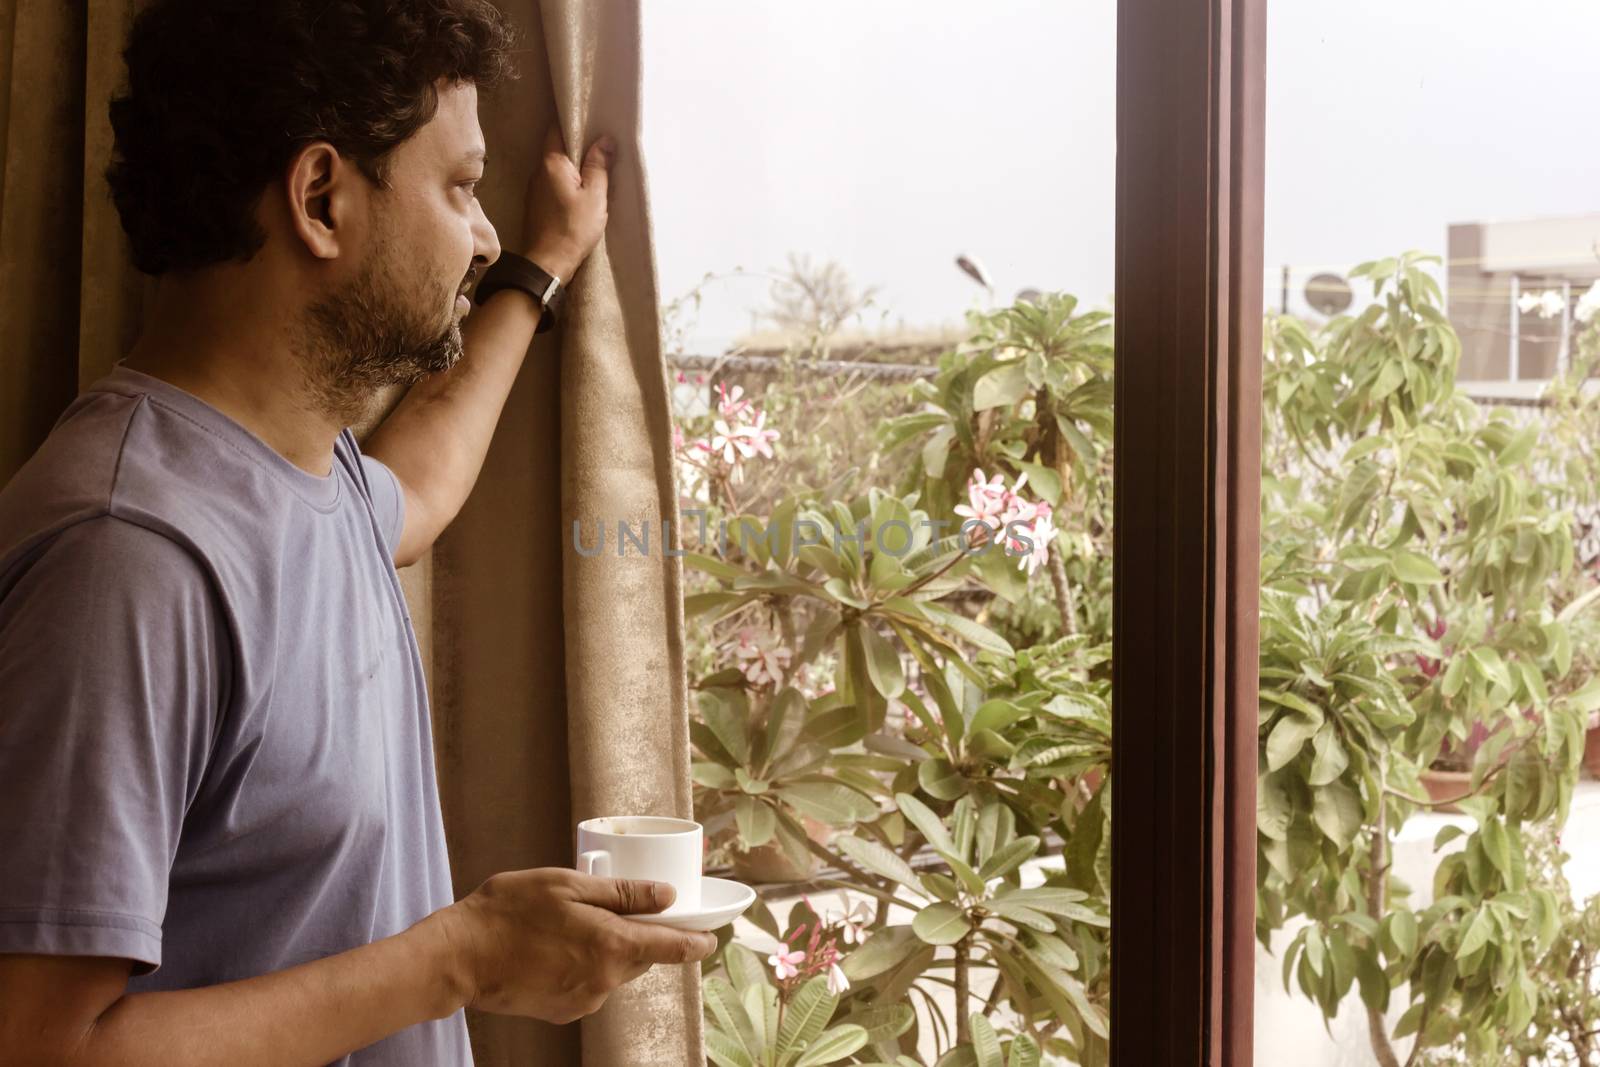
[399, 317]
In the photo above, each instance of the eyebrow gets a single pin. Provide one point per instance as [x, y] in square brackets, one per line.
[477, 155]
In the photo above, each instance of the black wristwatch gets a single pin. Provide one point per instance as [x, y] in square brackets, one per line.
[512, 271]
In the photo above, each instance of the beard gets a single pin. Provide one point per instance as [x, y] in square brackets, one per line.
[378, 331]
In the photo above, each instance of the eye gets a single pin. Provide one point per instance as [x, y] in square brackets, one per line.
[471, 186]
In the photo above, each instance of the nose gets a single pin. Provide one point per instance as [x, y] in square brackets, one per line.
[485, 242]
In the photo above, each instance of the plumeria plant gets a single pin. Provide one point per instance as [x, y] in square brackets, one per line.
[854, 682]
[910, 651]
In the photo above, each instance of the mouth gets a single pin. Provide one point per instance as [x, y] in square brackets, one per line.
[463, 305]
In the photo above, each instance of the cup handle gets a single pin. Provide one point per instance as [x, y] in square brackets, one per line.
[597, 861]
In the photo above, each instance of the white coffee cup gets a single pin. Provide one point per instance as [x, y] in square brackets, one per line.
[650, 847]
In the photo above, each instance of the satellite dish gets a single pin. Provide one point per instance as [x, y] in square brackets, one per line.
[1328, 294]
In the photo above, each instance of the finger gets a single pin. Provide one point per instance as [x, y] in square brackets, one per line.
[660, 945]
[597, 164]
[625, 896]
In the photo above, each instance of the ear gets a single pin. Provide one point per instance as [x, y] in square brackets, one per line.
[326, 197]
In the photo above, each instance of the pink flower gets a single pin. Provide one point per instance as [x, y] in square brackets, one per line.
[986, 500]
[760, 659]
[786, 964]
[1006, 513]
[731, 403]
[1041, 530]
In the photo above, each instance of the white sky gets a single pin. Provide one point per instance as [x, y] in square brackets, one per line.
[889, 135]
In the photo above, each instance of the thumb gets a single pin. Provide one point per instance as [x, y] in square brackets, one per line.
[597, 163]
[635, 897]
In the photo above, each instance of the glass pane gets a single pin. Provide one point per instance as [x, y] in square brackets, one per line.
[885, 244]
[1429, 839]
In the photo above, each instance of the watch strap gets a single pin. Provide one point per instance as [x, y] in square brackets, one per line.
[512, 271]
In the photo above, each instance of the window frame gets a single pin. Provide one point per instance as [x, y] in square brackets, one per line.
[1190, 139]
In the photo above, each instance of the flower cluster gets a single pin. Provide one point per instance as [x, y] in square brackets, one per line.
[760, 658]
[1548, 304]
[821, 951]
[1006, 513]
[1552, 302]
[1588, 304]
[739, 433]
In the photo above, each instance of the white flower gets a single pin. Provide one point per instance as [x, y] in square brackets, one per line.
[1548, 304]
[837, 982]
[986, 500]
[1042, 533]
[762, 661]
[1588, 304]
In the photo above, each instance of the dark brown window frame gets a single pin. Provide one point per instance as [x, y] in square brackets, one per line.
[1190, 132]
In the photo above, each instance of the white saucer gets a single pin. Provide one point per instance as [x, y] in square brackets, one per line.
[721, 902]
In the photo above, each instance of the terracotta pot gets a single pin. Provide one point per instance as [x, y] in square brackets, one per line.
[1442, 785]
[769, 863]
[1591, 752]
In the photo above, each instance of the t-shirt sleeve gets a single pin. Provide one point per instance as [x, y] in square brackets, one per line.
[388, 500]
[113, 665]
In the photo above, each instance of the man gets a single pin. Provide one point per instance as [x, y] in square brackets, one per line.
[220, 839]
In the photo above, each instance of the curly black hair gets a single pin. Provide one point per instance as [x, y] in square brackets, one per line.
[222, 93]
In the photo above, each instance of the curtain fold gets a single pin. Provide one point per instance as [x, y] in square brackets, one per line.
[557, 679]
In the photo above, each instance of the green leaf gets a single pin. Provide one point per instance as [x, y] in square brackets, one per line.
[757, 821]
[833, 1045]
[1496, 845]
[727, 719]
[1009, 858]
[1289, 735]
[971, 632]
[1021, 914]
[1477, 934]
[1330, 760]
[940, 780]
[1414, 569]
[1338, 813]
[877, 859]
[1006, 384]
[997, 825]
[829, 802]
[985, 1042]
[1024, 1052]
[785, 719]
[883, 1022]
[997, 715]
[725, 1051]
[941, 924]
[967, 876]
[883, 950]
[724, 1003]
[1401, 927]
[883, 663]
[717, 568]
[744, 967]
[1045, 482]
[927, 823]
[805, 1016]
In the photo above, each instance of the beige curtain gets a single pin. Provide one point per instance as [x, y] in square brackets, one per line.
[557, 679]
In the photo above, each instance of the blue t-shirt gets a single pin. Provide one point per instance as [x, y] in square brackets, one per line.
[215, 755]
